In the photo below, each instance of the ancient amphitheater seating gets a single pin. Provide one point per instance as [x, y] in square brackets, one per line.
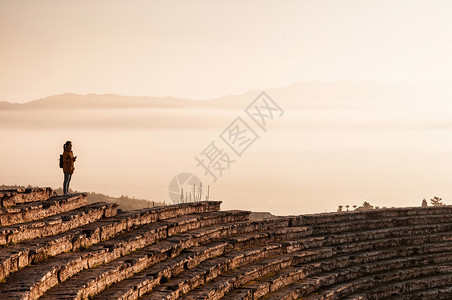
[60, 247]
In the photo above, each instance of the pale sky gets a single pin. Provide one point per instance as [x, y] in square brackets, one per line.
[205, 49]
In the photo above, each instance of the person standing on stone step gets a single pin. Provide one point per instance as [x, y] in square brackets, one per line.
[68, 166]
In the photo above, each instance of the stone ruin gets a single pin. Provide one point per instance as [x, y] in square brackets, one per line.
[61, 247]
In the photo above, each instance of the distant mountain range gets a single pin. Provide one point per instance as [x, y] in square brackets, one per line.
[101, 101]
[298, 95]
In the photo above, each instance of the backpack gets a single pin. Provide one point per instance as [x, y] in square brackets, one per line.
[61, 160]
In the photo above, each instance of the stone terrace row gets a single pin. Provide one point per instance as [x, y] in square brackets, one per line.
[18, 196]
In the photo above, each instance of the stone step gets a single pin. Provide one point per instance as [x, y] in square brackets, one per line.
[415, 279]
[299, 273]
[18, 196]
[351, 237]
[400, 281]
[347, 241]
[266, 285]
[209, 283]
[189, 222]
[302, 240]
[206, 271]
[145, 280]
[373, 238]
[358, 225]
[92, 281]
[16, 257]
[335, 234]
[35, 280]
[375, 214]
[262, 287]
[288, 293]
[342, 279]
[441, 291]
[244, 241]
[39, 210]
[300, 289]
[58, 223]
[337, 225]
[213, 236]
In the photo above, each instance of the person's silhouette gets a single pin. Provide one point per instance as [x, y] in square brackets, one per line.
[68, 165]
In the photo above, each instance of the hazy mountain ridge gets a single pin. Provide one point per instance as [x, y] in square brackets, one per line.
[113, 101]
[9, 105]
[298, 95]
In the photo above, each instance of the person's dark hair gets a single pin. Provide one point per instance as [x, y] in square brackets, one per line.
[66, 144]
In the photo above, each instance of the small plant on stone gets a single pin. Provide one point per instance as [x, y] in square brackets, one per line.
[436, 201]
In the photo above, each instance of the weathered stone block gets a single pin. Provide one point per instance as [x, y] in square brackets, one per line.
[38, 210]
[17, 196]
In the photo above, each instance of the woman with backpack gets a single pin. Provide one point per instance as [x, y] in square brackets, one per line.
[68, 165]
